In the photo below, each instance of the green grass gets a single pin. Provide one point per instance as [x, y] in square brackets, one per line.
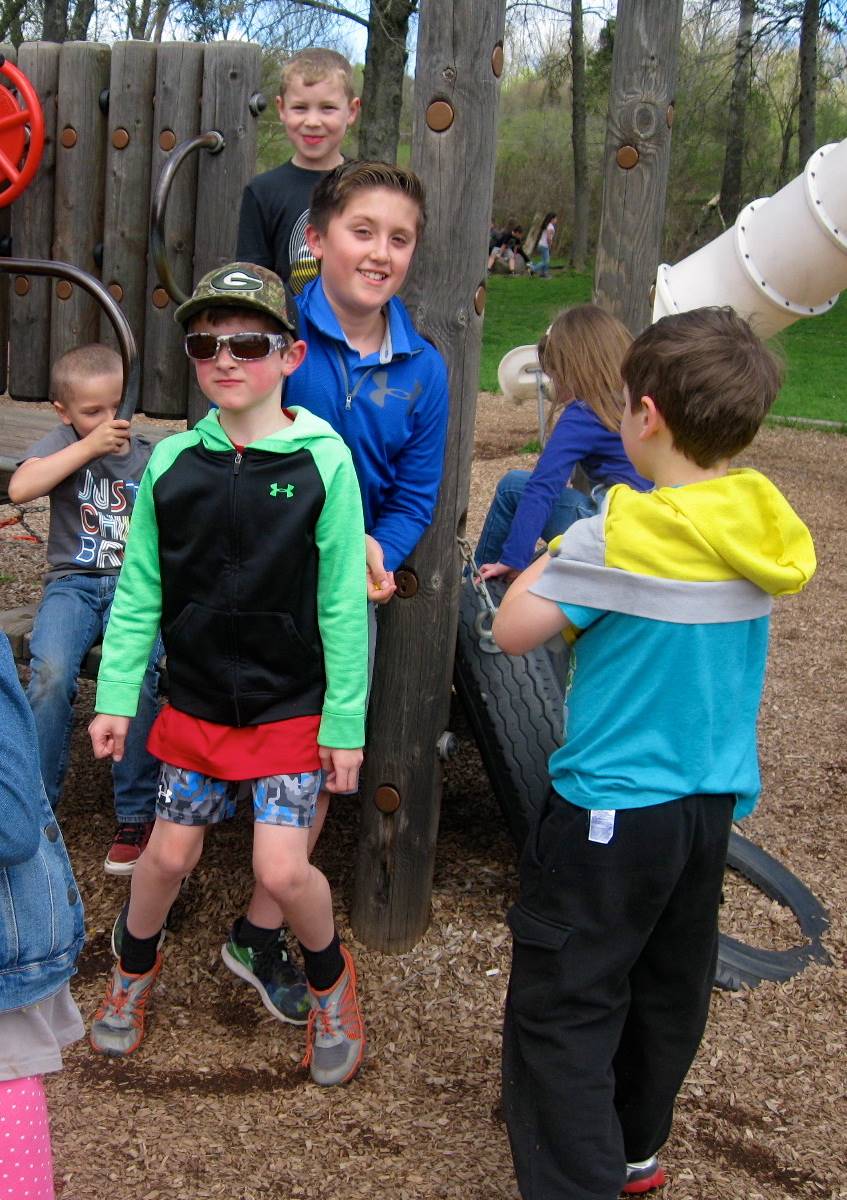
[519, 309]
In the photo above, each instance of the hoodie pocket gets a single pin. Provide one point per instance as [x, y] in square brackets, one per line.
[273, 656]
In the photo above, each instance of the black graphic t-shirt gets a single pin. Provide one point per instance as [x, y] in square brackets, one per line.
[272, 223]
[90, 509]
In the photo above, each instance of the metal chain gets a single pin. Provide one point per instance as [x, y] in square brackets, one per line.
[487, 607]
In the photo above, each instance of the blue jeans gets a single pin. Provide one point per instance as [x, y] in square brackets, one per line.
[543, 267]
[71, 618]
[570, 506]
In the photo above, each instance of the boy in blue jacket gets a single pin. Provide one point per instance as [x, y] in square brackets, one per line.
[383, 388]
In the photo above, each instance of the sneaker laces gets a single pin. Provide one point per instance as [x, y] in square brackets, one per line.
[345, 1022]
[130, 833]
[274, 961]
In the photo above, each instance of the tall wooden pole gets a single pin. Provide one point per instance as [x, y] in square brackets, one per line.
[459, 62]
[638, 144]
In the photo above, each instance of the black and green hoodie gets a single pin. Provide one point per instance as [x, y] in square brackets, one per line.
[254, 566]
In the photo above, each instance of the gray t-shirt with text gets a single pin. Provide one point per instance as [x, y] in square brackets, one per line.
[90, 510]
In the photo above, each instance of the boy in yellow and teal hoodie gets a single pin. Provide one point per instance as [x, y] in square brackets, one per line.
[665, 598]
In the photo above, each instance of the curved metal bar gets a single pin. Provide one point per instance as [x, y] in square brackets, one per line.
[213, 141]
[121, 326]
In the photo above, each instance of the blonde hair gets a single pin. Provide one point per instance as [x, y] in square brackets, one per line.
[84, 362]
[316, 64]
[582, 353]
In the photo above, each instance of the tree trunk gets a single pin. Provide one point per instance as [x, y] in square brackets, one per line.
[382, 89]
[807, 133]
[638, 142]
[459, 60]
[83, 12]
[55, 27]
[734, 151]
[579, 242]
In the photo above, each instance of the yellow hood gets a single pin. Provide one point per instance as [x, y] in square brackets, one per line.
[739, 526]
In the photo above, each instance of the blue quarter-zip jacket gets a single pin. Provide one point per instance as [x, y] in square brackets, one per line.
[393, 417]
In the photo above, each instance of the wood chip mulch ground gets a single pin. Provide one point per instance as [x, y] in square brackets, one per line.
[215, 1104]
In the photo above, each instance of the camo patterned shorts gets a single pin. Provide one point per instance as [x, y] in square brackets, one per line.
[191, 798]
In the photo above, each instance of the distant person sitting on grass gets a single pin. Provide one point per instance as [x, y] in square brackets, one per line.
[90, 466]
[665, 597]
[582, 355]
[263, 611]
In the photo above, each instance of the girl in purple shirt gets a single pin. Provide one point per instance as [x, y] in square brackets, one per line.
[582, 354]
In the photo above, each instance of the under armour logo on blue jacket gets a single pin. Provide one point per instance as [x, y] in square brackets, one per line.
[381, 391]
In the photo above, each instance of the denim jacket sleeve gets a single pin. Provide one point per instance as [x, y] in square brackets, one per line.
[20, 777]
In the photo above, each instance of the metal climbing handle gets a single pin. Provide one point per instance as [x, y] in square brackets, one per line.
[213, 141]
[121, 326]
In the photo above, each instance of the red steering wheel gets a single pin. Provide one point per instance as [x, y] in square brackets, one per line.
[21, 133]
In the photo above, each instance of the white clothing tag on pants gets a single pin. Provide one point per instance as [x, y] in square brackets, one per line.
[602, 825]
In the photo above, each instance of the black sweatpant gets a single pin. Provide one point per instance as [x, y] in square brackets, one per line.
[613, 962]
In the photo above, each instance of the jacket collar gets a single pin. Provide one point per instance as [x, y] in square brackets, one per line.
[405, 340]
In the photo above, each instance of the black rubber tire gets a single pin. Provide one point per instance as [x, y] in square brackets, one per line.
[740, 964]
[498, 692]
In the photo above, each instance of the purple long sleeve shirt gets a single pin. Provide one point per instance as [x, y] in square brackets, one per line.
[578, 437]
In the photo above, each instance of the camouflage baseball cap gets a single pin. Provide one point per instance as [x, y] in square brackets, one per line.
[241, 285]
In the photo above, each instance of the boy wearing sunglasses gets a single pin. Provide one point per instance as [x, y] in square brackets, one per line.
[383, 387]
[247, 543]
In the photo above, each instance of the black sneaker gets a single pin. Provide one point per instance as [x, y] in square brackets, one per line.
[271, 972]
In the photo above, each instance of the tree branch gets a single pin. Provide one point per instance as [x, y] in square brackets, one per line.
[335, 9]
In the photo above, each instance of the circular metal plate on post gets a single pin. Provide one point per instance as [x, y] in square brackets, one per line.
[669, 115]
[407, 583]
[120, 138]
[387, 798]
[497, 59]
[440, 116]
[167, 140]
[21, 285]
[116, 291]
[627, 157]
[160, 298]
[479, 300]
[68, 137]
[64, 290]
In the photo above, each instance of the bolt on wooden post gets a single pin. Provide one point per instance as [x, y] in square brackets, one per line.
[459, 62]
[637, 157]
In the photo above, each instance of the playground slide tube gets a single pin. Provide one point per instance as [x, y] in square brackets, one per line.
[785, 257]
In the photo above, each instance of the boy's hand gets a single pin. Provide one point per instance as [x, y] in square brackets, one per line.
[381, 585]
[109, 438]
[108, 735]
[341, 768]
[494, 570]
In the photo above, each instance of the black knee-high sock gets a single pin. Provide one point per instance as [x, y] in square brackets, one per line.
[323, 967]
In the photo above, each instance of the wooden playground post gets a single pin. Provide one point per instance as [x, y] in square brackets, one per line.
[459, 62]
[638, 143]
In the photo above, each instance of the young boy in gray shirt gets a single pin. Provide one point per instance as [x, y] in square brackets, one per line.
[90, 467]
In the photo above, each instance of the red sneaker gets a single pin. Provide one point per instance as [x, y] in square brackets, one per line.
[643, 1176]
[130, 839]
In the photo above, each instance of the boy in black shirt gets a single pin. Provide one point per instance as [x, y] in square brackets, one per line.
[316, 106]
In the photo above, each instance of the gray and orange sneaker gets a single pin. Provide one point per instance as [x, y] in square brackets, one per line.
[118, 1025]
[643, 1176]
[335, 1044]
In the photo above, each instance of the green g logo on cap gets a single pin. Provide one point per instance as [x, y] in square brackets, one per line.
[228, 280]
